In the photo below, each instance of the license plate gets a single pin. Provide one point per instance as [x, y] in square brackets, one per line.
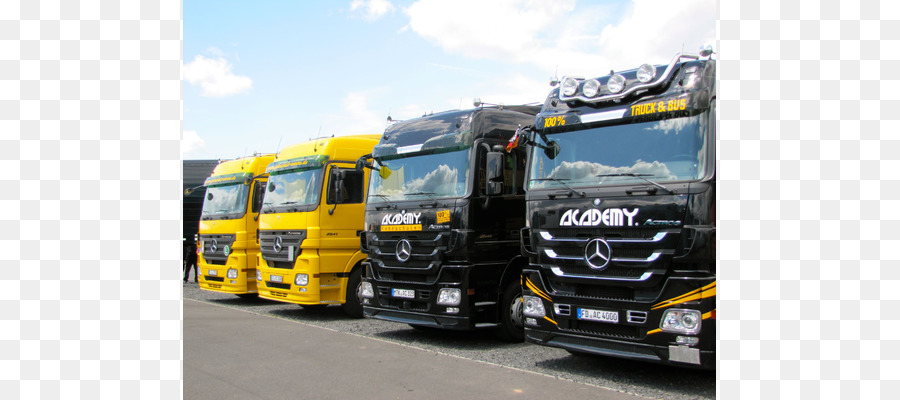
[213, 272]
[599, 315]
[404, 293]
[275, 278]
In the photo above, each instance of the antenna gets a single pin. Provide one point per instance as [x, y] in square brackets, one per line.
[277, 148]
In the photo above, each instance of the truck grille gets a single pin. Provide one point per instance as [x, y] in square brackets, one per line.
[425, 260]
[609, 330]
[281, 246]
[636, 253]
[214, 247]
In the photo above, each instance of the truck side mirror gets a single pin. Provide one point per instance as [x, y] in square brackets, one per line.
[271, 187]
[494, 173]
[337, 188]
[552, 150]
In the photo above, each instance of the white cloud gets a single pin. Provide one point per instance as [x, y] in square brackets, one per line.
[554, 35]
[485, 29]
[371, 10]
[357, 116]
[214, 76]
[191, 144]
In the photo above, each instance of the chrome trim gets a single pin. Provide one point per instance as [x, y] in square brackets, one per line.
[558, 272]
[657, 82]
[657, 238]
[653, 257]
[552, 254]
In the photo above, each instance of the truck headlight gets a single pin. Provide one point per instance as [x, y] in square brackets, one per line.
[449, 297]
[366, 290]
[301, 279]
[681, 321]
[591, 87]
[616, 83]
[534, 307]
[232, 273]
[569, 86]
[258, 275]
[646, 72]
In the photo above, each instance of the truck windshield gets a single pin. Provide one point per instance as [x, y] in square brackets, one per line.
[227, 201]
[292, 189]
[433, 175]
[662, 151]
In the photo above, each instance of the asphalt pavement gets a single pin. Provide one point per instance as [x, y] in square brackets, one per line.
[235, 354]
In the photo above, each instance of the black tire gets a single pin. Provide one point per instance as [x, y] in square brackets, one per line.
[512, 322]
[314, 307]
[353, 301]
[247, 296]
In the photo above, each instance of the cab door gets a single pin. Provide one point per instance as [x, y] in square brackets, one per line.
[341, 217]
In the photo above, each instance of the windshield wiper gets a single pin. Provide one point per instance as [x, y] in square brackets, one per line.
[386, 199]
[640, 176]
[429, 194]
[560, 181]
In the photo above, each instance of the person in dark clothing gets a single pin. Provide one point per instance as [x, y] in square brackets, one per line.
[190, 261]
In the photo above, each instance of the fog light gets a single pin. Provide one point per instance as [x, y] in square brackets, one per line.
[449, 297]
[531, 321]
[258, 275]
[534, 307]
[616, 83]
[569, 86]
[232, 273]
[591, 88]
[366, 290]
[681, 321]
[301, 279]
[688, 340]
[452, 310]
[303, 290]
[646, 73]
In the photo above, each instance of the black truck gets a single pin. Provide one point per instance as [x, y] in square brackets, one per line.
[442, 222]
[620, 203]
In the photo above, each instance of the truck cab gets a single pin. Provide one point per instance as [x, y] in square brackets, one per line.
[228, 223]
[444, 209]
[310, 221]
[620, 235]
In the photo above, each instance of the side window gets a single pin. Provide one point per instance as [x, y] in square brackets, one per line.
[352, 186]
[259, 190]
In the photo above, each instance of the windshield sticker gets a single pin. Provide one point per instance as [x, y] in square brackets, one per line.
[443, 216]
[594, 217]
[658, 107]
[401, 218]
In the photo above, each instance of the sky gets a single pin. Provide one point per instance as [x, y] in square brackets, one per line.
[261, 75]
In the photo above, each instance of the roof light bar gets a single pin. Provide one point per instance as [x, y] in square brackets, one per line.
[569, 89]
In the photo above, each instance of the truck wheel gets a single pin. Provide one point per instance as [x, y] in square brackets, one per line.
[353, 301]
[512, 322]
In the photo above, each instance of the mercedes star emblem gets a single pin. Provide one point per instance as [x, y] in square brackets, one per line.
[597, 254]
[214, 246]
[277, 246]
[404, 250]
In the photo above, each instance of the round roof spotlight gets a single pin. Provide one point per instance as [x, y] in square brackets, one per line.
[591, 87]
[616, 83]
[569, 86]
[646, 73]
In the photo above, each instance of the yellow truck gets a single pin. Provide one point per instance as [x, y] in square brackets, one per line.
[310, 222]
[227, 240]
